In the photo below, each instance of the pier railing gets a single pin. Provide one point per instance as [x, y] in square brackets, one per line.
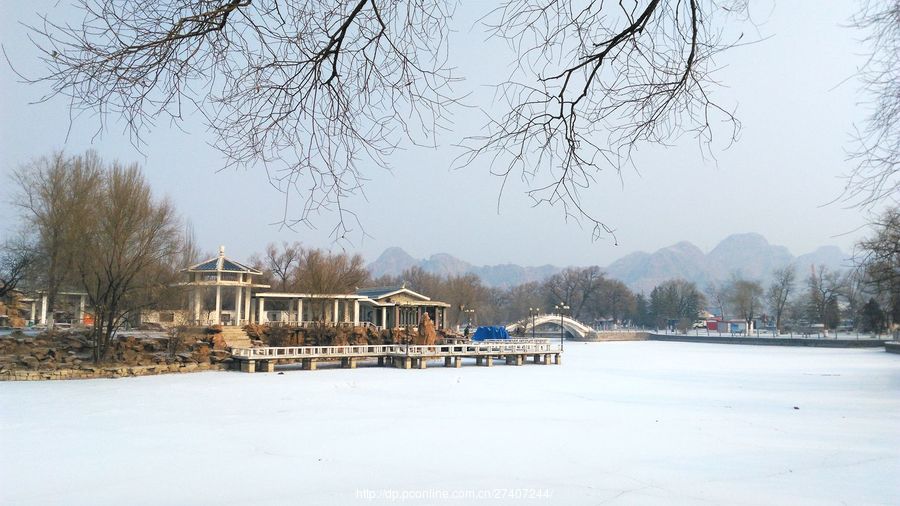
[369, 351]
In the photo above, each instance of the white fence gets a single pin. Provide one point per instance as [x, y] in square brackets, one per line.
[368, 351]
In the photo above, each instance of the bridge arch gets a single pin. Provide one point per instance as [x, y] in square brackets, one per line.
[570, 325]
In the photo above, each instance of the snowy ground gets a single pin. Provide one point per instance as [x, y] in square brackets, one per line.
[618, 423]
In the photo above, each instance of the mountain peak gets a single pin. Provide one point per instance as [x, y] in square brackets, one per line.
[393, 260]
[745, 240]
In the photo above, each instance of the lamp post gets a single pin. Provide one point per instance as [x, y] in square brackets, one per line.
[469, 313]
[533, 312]
[562, 330]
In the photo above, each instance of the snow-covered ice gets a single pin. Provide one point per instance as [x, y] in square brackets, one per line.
[618, 423]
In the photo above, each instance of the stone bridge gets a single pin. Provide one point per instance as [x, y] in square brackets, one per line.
[576, 328]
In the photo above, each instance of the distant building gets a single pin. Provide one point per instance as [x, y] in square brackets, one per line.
[22, 309]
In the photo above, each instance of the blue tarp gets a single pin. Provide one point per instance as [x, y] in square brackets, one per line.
[490, 333]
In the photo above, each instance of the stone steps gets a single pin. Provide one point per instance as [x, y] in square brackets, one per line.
[235, 337]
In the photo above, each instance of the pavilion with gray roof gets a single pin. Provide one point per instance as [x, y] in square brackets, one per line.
[221, 272]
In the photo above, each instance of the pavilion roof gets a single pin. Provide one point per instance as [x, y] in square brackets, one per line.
[222, 264]
[386, 291]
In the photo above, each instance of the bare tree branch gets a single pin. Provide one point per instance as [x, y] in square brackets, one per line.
[311, 90]
[597, 81]
[876, 176]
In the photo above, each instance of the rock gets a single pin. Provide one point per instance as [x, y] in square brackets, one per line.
[218, 342]
[40, 353]
[427, 335]
[30, 362]
[201, 353]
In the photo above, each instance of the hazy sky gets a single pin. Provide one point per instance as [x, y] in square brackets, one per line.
[794, 92]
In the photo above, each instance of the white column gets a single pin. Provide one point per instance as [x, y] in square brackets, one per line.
[218, 318]
[300, 309]
[237, 305]
[33, 315]
[81, 309]
[384, 317]
[248, 315]
[262, 311]
[336, 312]
[198, 300]
[43, 309]
[356, 313]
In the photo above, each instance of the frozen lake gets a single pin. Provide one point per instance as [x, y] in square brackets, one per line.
[618, 423]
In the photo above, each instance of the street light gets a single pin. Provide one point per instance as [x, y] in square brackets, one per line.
[562, 330]
[533, 312]
[469, 312]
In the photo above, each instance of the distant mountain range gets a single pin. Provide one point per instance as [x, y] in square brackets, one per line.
[394, 261]
[749, 255]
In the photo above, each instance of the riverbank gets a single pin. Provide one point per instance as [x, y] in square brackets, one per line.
[68, 355]
[771, 341]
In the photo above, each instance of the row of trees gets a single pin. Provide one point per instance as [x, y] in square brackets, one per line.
[867, 294]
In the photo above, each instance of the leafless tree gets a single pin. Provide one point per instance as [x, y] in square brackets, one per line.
[191, 253]
[577, 288]
[824, 288]
[283, 262]
[876, 176]
[878, 261]
[313, 90]
[320, 271]
[614, 300]
[745, 296]
[676, 299]
[55, 194]
[17, 259]
[717, 294]
[595, 82]
[466, 291]
[131, 242]
[779, 292]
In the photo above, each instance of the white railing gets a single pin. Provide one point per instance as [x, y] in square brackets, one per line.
[450, 350]
[444, 350]
[316, 323]
[312, 351]
[209, 323]
[516, 340]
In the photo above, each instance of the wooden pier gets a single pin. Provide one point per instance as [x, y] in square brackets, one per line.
[398, 355]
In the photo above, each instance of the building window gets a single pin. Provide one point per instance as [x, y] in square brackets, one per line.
[167, 317]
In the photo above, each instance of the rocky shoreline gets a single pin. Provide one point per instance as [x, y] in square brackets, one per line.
[51, 356]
